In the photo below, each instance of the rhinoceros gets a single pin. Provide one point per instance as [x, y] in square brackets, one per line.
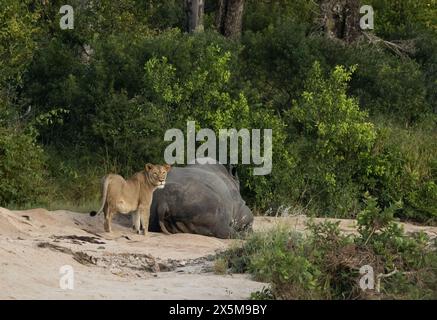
[203, 199]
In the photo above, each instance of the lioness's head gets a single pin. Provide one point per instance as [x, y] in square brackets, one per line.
[157, 174]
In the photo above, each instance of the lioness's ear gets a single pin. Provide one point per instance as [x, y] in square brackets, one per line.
[167, 167]
[149, 167]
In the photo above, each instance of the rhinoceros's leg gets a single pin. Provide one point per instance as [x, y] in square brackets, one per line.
[172, 228]
[162, 211]
[167, 227]
[163, 228]
[182, 227]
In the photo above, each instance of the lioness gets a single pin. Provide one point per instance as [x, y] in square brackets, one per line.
[125, 196]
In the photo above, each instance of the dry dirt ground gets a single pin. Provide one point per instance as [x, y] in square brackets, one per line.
[35, 244]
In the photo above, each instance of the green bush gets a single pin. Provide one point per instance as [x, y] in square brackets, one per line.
[278, 57]
[400, 19]
[412, 259]
[388, 85]
[274, 62]
[22, 168]
[426, 56]
[274, 262]
[131, 132]
[261, 14]
[144, 75]
[325, 264]
[333, 139]
[202, 94]
[75, 181]
[403, 168]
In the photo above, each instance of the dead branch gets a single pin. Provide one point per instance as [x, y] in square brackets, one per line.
[402, 48]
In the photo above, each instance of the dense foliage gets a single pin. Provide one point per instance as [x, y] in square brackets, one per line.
[347, 119]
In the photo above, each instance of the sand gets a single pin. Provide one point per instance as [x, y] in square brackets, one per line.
[35, 244]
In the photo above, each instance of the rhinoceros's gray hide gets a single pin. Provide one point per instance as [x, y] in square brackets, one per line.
[202, 199]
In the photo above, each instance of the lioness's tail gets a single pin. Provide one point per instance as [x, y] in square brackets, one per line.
[105, 183]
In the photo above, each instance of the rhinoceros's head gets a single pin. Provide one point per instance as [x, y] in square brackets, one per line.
[242, 216]
[245, 218]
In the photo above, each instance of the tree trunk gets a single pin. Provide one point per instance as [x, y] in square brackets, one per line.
[194, 10]
[341, 19]
[229, 19]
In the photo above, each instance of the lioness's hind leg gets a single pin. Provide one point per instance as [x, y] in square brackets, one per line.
[108, 219]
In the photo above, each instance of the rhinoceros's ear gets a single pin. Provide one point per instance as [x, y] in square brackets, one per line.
[148, 167]
[167, 167]
[234, 174]
[233, 171]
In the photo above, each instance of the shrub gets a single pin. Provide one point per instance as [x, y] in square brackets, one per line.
[202, 94]
[131, 132]
[426, 56]
[278, 57]
[259, 15]
[384, 83]
[334, 138]
[325, 264]
[403, 168]
[22, 168]
[388, 85]
[402, 19]
[292, 274]
[274, 61]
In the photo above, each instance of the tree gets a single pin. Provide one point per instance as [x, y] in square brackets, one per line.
[229, 19]
[341, 19]
[194, 10]
[18, 30]
[404, 19]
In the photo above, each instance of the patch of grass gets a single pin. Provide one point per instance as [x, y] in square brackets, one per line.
[220, 266]
[325, 264]
[263, 294]
[84, 206]
[409, 159]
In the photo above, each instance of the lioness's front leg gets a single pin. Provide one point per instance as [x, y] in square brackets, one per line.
[136, 221]
[144, 213]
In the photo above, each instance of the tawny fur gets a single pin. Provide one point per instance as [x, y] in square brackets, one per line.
[133, 195]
